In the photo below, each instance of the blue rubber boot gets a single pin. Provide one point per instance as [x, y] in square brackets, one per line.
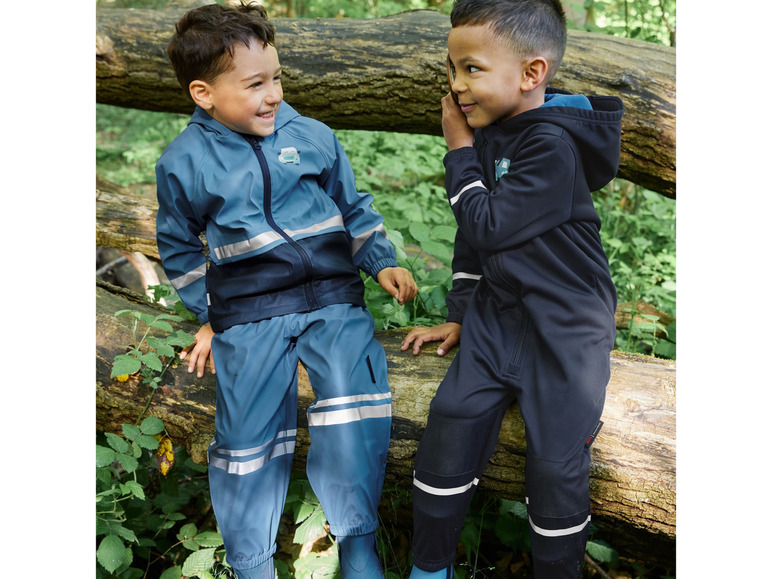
[262, 571]
[358, 557]
[417, 573]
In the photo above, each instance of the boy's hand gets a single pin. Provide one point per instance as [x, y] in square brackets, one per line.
[398, 282]
[450, 332]
[455, 129]
[200, 351]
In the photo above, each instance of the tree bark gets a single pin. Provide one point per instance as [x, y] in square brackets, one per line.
[389, 74]
[633, 470]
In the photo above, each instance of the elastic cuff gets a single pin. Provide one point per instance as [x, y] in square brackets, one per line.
[348, 530]
[246, 565]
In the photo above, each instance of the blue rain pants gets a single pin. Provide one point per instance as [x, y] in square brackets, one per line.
[558, 380]
[349, 424]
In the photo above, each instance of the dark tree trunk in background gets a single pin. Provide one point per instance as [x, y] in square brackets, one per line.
[389, 74]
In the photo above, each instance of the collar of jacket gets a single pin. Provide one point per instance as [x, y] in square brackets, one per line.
[200, 117]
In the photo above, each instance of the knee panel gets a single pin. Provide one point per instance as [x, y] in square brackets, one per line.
[453, 446]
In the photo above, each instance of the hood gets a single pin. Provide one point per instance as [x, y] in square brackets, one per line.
[593, 122]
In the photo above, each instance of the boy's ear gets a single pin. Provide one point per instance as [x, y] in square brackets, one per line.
[534, 73]
[201, 94]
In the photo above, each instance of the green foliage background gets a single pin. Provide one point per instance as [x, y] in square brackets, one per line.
[167, 520]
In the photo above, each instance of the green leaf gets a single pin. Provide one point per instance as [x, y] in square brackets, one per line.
[136, 489]
[152, 425]
[117, 443]
[187, 531]
[110, 553]
[161, 325]
[199, 561]
[444, 233]
[420, 231]
[128, 462]
[170, 317]
[180, 338]
[311, 528]
[104, 456]
[152, 361]
[125, 364]
[601, 552]
[317, 566]
[172, 573]
[161, 347]
[147, 318]
[130, 431]
[209, 539]
[147, 441]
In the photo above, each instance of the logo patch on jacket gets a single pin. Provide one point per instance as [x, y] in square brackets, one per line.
[502, 167]
[289, 155]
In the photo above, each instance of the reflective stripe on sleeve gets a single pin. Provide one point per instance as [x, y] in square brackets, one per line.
[477, 183]
[362, 238]
[267, 238]
[188, 278]
[463, 275]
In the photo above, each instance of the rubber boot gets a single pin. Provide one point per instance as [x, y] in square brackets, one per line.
[417, 573]
[358, 557]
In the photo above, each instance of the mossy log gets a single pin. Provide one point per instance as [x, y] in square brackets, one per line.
[633, 470]
[389, 74]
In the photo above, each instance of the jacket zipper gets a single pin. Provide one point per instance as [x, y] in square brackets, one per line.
[305, 259]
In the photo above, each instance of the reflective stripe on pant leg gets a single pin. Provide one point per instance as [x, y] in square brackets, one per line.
[450, 460]
[250, 457]
[557, 495]
[350, 421]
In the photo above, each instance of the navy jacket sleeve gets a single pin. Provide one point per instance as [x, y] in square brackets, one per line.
[534, 197]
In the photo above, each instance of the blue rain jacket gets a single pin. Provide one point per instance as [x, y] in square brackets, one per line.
[286, 229]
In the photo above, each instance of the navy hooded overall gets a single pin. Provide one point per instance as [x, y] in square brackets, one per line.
[536, 301]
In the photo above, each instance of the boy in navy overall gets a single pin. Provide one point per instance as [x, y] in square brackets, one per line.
[287, 234]
[532, 301]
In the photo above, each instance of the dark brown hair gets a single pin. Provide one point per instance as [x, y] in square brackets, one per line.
[205, 38]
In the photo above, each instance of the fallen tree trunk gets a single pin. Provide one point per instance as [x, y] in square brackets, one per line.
[633, 471]
[389, 74]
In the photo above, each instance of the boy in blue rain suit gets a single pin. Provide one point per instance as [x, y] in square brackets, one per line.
[287, 234]
[532, 301]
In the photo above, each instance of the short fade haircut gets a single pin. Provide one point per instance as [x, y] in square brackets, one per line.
[529, 27]
[205, 39]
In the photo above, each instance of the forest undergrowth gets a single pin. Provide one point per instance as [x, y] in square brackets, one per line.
[154, 515]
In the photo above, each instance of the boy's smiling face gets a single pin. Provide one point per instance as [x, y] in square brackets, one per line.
[489, 78]
[245, 99]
